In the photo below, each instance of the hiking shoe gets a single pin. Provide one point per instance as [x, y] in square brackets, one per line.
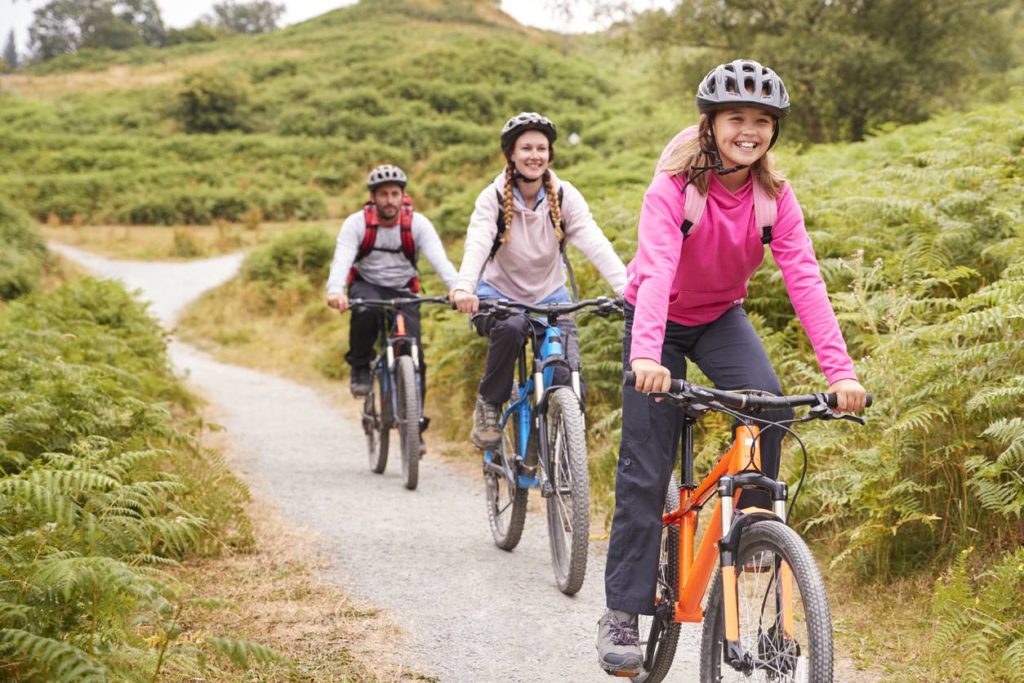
[423, 447]
[359, 381]
[486, 425]
[618, 643]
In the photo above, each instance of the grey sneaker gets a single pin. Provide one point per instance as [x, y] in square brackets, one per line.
[618, 643]
[486, 425]
[359, 380]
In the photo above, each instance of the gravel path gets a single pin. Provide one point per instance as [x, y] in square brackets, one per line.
[471, 612]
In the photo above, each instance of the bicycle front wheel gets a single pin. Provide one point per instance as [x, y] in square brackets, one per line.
[409, 413]
[506, 502]
[376, 419]
[785, 628]
[569, 499]
[659, 634]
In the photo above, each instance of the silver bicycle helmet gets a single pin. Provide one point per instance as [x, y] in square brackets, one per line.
[743, 82]
[384, 175]
[522, 122]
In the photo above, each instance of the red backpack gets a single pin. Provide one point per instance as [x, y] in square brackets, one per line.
[370, 239]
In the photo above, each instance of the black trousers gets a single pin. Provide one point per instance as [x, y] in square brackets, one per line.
[506, 339]
[366, 325]
[731, 354]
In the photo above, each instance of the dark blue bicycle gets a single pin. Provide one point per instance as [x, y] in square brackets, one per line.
[544, 443]
[395, 393]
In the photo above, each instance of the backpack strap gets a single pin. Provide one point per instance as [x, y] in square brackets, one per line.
[369, 242]
[766, 210]
[408, 244]
[694, 203]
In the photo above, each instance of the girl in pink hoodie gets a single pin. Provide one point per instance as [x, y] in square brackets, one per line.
[684, 299]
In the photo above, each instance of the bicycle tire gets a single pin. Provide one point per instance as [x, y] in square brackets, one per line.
[568, 506]
[807, 657]
[662, 631]
[506, 503]
[408, 421]
[375, 425]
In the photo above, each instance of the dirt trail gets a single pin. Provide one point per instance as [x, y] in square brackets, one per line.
[471, 612]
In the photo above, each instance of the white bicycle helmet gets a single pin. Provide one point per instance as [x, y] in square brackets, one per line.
[743, 82]
[384, 175]
[522, 122]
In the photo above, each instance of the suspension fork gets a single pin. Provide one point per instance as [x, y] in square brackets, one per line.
[732, 525]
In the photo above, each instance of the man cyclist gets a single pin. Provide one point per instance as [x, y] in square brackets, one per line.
[376, 258]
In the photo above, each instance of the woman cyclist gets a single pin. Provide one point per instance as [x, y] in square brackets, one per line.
[685, 301]
[514, 250]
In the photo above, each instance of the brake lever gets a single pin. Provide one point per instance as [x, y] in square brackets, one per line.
[823, 412]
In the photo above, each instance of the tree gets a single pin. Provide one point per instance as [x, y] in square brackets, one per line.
[259, 16]
[11, 52]
[851, 65]
[211, 101]
[67, 26]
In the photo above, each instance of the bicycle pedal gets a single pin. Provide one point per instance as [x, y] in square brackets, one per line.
[622, 674]
[546, 489]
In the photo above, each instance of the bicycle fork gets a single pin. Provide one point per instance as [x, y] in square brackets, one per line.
[733, 523]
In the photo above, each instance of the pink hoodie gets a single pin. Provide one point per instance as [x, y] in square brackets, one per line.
[695, 283]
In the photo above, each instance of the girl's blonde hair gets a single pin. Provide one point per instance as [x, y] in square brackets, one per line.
[554, 208]
[690, 153]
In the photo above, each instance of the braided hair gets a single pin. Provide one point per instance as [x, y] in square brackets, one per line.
[554, 208]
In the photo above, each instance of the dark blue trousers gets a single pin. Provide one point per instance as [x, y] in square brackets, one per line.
[732, 356]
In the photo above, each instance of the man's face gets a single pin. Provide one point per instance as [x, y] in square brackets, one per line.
[388, 199]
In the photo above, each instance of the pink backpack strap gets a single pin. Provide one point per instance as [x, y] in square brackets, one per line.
[766, 211]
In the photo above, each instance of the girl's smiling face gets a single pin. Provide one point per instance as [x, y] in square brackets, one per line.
[531, 154]
[743, 134]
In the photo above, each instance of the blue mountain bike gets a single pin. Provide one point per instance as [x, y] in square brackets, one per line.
[395, 389]
[543, 443]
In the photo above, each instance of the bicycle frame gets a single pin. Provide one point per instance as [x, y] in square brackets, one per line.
[738, 469]
[531, 405]
[392, 334]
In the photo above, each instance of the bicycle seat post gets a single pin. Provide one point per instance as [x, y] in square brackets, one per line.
[686, 479]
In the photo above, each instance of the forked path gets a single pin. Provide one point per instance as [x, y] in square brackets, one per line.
[469, 611]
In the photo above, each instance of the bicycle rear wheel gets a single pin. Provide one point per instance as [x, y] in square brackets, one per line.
[506, 502]
[408, 421]
[376, 423]
[659, 634]
[569, 501]
[797, 649]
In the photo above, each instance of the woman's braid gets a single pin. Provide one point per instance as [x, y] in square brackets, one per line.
[507, 203]
[554, 206]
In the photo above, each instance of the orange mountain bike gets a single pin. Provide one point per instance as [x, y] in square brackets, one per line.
[766, 616]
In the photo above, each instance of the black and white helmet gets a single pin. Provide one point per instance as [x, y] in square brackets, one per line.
[384, 175]
[522, 122]
[743, 82]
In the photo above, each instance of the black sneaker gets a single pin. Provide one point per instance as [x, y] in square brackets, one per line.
[359, 381]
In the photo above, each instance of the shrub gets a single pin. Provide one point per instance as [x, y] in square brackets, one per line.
[212, 101]
[306, 251]
[22, 252]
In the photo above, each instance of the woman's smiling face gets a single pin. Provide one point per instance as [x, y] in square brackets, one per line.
[743, 134]
[531, 154]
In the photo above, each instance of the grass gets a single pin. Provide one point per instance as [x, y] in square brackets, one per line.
[170, 243]
[282, 595]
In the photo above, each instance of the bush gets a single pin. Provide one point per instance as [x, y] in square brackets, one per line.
[212, 101]
[306, 251]
[22, 252]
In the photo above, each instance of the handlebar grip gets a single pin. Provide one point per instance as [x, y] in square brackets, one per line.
[832, 400]
[629, 380]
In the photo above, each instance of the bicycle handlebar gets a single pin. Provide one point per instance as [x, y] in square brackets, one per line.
[689, 392]
[508, 307]
[397, 303]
